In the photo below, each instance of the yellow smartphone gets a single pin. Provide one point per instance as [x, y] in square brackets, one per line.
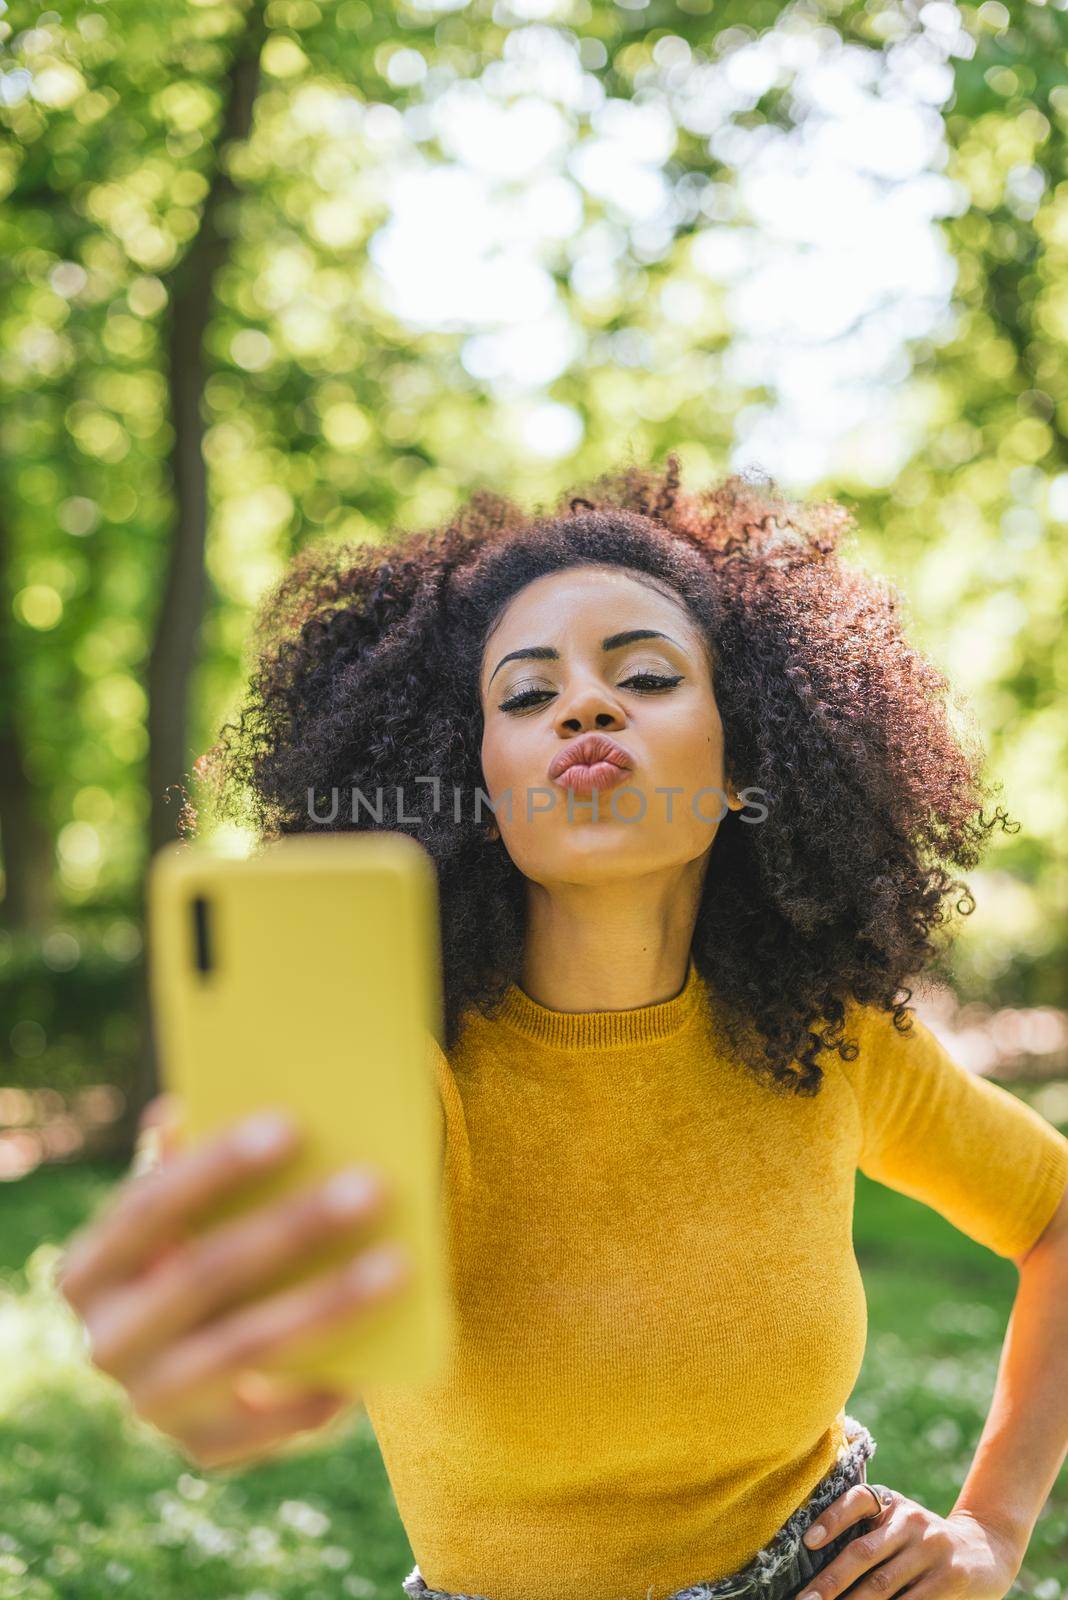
[308, 977]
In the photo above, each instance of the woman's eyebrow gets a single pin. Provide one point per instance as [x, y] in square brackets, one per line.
[614, 641]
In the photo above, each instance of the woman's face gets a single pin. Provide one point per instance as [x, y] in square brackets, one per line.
[651, 696]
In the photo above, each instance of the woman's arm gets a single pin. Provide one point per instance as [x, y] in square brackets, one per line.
[1025, 1437]
[976, 1551]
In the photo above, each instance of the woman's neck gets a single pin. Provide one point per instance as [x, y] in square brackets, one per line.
[614, 946]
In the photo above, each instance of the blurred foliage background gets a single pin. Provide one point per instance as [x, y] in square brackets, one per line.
[222, 335]
[274, 271]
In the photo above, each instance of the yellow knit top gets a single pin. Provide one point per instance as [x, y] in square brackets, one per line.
[660, 1314]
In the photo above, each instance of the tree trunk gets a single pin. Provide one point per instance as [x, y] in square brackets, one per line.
[174, 647]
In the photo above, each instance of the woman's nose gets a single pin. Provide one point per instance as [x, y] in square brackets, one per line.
[589, 708]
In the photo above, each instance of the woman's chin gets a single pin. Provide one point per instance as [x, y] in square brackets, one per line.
[595, 852]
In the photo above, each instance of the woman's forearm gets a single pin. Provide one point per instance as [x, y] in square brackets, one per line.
[1025, 1437]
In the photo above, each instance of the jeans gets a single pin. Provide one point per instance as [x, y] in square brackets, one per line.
[782, 1567]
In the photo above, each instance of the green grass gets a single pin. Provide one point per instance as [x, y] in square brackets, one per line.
[95, 1503]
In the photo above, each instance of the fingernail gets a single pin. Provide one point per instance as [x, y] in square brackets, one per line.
[815, 1533]
[809, 1594]
[379, 1267]
[349, 1191]
[262, 1135]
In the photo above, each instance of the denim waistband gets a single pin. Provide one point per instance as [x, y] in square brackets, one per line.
[780, 1566]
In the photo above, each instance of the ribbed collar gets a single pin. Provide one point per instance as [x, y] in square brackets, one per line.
[600, 1030]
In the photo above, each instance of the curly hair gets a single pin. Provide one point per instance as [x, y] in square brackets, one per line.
[366, 674]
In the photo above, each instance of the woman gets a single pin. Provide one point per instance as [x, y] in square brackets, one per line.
[723, 794]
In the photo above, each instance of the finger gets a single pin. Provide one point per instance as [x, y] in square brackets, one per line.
[207, 1275]
[853, 1505]
[172, 1127]
[896, 1574]
[164, 1117]
[238, 1440]
[151, 1211]
[860, 1557]
[254, 1390]
[156, 1110]
[249, 1335]
[927, 1588]
[159, 1134]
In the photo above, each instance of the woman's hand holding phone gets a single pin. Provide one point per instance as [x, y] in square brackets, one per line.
[158, 1304]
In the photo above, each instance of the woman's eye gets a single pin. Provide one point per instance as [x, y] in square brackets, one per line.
[643, 682]
[652, 680]
[526, 698]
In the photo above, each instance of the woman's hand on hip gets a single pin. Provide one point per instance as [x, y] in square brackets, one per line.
[936, 1558]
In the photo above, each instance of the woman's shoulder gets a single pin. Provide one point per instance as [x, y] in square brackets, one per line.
[875, 1046]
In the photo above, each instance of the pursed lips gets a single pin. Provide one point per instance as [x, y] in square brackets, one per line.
[593, 761]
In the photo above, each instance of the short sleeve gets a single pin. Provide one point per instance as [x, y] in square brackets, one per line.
[974, 1152]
